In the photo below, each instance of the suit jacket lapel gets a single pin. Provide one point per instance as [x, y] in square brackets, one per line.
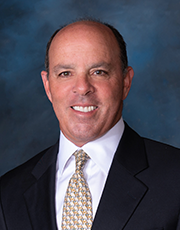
[123, 191]
[40, 196]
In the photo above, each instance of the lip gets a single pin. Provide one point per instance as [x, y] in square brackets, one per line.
[84, 108]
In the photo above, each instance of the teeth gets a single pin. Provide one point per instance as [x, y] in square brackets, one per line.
[84, 109]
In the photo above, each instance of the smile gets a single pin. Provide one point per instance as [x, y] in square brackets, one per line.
[84, 109]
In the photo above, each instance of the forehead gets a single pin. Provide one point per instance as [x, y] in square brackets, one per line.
[84, 35]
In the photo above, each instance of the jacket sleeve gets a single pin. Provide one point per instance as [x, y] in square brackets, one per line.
[2, 221]
[178, 224]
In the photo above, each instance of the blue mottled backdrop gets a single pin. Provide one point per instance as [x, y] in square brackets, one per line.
[152, 32]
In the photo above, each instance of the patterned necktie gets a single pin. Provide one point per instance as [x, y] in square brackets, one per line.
[77, 208]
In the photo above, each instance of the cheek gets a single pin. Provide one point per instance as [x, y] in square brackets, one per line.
[61, 100]
[111, 93]
[58, 92]
[57, 99]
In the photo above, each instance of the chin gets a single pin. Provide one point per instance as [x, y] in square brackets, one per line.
[81, 138]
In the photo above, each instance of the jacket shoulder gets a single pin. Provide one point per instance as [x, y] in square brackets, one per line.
[159, 148]
[18, 174]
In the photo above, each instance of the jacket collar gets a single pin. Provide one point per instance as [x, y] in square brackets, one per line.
[123, 191]
[131, 151]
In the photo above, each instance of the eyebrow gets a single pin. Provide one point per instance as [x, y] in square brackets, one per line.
[60, 66]
[101, 64]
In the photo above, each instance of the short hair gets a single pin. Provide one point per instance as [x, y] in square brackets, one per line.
[118, 36]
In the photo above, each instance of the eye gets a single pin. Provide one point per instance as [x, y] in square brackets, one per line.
[65, 74]
[100, 72]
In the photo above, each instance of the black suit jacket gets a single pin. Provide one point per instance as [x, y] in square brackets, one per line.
[142, 191]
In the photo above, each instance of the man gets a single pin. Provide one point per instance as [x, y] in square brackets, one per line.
[134, 182]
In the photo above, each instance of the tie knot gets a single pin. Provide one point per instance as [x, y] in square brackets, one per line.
[81, 158]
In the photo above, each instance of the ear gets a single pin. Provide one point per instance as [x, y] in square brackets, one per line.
[127, 81]
[44, 76]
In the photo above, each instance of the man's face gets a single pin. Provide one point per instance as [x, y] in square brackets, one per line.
[86, 85]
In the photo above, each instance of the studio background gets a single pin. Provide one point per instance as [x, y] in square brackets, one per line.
[151, 30]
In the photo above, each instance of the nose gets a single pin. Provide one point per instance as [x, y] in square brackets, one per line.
[83, 85]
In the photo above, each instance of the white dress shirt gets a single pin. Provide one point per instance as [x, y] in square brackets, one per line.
[101, 152]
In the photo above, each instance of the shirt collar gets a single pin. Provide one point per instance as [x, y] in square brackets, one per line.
[101, 148]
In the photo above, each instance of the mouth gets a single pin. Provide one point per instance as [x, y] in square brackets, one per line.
[84, 109]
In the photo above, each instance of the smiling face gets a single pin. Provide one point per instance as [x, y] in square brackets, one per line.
[86, 85]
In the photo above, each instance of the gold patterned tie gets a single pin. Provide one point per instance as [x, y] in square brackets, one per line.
[77, 208]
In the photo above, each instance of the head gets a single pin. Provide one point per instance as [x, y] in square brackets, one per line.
[87, 79]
